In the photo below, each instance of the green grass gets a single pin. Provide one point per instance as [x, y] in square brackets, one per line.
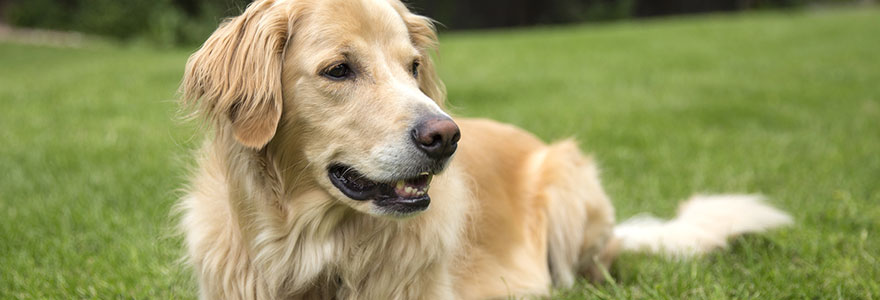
[787, 105]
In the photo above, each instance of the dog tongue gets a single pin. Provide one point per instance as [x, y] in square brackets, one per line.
[412, 188]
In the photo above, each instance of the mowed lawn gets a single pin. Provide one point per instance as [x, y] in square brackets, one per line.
[92, 151]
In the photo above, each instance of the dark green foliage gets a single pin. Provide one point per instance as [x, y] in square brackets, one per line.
[164, 22]
[187, 22]
[457, 14]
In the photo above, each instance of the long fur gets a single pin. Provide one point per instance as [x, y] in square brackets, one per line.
[581, 229]
[509, 214]
[703, 223]
[239, 70]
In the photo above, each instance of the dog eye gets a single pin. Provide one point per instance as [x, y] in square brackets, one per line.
[338, 72]
[415, 69]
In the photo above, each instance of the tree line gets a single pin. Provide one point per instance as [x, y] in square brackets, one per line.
[186, 22]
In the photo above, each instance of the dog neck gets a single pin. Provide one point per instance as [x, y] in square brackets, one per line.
[290, 225]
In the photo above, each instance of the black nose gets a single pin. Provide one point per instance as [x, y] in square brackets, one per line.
[437, 137]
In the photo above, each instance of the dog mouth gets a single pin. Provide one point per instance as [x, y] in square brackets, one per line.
[402, 196]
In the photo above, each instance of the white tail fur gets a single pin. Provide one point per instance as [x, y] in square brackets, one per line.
[703, 223]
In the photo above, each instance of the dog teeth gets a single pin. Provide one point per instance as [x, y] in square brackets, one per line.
[408, 190]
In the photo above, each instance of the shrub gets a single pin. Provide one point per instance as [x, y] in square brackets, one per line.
[177, 22]
[163, 22]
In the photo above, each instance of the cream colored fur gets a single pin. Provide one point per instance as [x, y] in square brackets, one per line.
[703, 223]
[509, 215]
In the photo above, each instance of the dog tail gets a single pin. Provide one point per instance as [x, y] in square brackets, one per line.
[703, 223]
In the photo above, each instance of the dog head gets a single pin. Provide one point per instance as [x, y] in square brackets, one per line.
[345, 90]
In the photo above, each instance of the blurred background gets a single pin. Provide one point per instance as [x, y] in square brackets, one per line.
[672, 98]
[186, 22]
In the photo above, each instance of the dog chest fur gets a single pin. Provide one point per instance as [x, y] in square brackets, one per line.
[252, 248]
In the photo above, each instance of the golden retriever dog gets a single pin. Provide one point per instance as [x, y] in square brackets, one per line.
[332, 171]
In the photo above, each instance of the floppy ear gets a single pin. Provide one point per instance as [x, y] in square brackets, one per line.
[424, 37]
[236, 74]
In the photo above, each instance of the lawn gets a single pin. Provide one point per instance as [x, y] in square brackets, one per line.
[92, 151]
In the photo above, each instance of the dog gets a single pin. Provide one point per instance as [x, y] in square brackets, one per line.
[331, 170]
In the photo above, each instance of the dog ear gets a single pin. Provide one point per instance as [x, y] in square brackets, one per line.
[236, 74]
[424, 36]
